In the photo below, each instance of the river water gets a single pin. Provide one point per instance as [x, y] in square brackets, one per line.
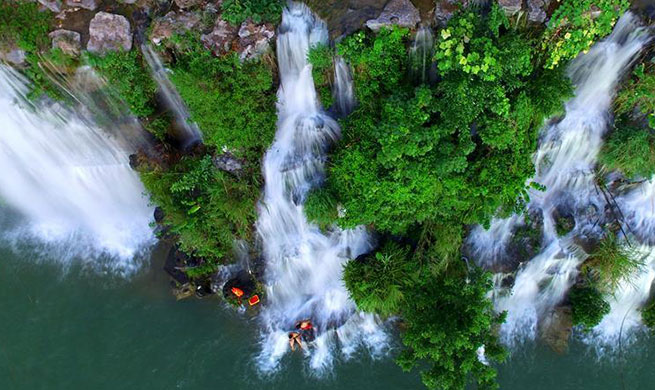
[79, 329]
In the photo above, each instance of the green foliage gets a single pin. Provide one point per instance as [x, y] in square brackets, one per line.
[24, 26]
[377, 282]
[207, 208]
[588, 306]
[320, 56]
[629, 149]
[321, 207]
[648, 314]
[125, 73]
[637, 94]
[612, 262]
[233, 103]
[416, 155]
[576, 25]
[237, 11]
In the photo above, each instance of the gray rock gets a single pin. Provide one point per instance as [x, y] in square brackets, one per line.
[445, 9]
[228, 163]
[109, 32]
[220, 40]
[555, 328]
[88, 4]
[397, 12]
[52, 5]
[254, 40]
[187, 3]
[510, 6]
[14, 56]
[172, 23]
[537, 10]
[67, 41]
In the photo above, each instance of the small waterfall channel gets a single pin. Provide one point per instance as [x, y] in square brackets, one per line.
[71, 180]
[564, 164]
[303, 265]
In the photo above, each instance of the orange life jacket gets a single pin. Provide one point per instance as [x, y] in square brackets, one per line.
[253, 300]
[237, 291]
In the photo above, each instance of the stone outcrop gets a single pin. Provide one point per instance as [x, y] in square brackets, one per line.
[187, 3]
[397, 12]
[13, 56]
[228, 163]
[52, 5]
[172, 23]
[556, 327]
[254, 40]
[67, 41]
[510, 6]
[87, 4]
[445, 9]
[220, 39]
[109, 32]
[537, 10]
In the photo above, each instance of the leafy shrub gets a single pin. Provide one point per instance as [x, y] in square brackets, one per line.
[588, 306]
[24, 26]
[637, 94]
[320, 56]
[233, 103]
[648, 315]
[237, 11]
[321, 207]
[629, 149]
[125, 73]
[612, 262]
[207, 208]
[576, 25]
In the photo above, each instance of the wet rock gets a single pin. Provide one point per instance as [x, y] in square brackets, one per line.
[159, 214]
[184, 291]
[109, 32]
[220, 39]
[87, 4]
[187, 3]
[228, 163]
[67, 41]
[174, 261]
[254, 40]
[555, 329]
[537, 10]
[172, 23]
[445, 9]
[52, 5]
[397, 12]
[13, 56]
[243, 281]
[564, 220]
[510, 6]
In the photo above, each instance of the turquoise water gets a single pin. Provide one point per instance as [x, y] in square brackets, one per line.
[76, 329]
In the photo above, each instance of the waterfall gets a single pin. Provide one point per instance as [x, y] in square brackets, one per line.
[304, 266]
[344, 93]
[189, 131]
[71, 181]
[565, 164]
[421, 54]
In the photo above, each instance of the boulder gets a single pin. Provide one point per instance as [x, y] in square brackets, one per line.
[187, 3]
[109, 32]
[228, 163]
[87, 4]
[445, 9]
[564, 219]
[13, 56]
[52, 5]
[67, 41]
[555, 328]
[537, 10]
[397, 12]
[510, 6]
[220, 39]
[254, 40]
[172, 23]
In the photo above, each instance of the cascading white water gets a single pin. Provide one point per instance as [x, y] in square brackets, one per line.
[564, 165]
[422, 53]
[70, 180]
[190, 133]
[344, 92]
[304, 266]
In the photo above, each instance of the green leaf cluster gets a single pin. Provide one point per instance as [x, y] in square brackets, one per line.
[237, 11]
[321, 58]
[205, 207]
[23, 25]
[576, 25]
[588, 306]
[612, 262]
